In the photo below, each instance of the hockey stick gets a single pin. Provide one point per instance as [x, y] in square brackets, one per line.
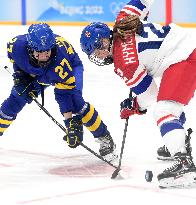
[63, 129]
[115, 173]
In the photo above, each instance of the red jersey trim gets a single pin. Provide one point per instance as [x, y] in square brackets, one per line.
[164, 118]
[132, 10]
[137, 79]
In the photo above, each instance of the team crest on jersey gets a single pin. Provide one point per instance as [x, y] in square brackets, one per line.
[88, 34]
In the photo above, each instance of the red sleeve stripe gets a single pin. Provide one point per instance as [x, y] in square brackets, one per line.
[137, 79]
[132, 10]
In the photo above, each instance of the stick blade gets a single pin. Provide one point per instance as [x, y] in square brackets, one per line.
[115, 173]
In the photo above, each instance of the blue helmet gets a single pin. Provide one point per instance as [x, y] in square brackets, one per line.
[91, 36]
[40, 37]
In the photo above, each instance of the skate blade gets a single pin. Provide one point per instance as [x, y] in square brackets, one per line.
[111, 157]
[184, 180]
[165, 158]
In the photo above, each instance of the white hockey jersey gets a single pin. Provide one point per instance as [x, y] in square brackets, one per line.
[161, 46]
[142, 57]
[145, 56]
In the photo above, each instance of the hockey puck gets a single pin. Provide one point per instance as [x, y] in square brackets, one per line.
[148, 176]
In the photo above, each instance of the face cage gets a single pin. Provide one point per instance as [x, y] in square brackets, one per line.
[34, 62]
[100, 62]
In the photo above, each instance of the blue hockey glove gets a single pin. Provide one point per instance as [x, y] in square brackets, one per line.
[74, 131]
[130, 107]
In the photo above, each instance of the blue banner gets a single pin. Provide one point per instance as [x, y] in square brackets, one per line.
[184, 11]
[10, 11]
[62, 11]
[74, 11]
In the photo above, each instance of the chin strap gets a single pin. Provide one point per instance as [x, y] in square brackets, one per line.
[108, 60]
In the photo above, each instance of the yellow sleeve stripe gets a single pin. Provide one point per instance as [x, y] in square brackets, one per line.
[10, 49]
[2, 129]
[95, 125]
[5, 122]
[89, 115]
[64, 86]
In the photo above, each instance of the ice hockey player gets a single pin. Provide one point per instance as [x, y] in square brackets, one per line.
[40, 59]
[142, 51]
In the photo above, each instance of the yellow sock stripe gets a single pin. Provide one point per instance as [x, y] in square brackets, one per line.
[89, 115]
[95, 125]
[2, 129]
[5, 122]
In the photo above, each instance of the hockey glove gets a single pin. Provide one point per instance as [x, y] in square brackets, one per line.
[126, 26]
[74, 131]
[23, 85]
[37, 88]
[130, 107]
[22, 81]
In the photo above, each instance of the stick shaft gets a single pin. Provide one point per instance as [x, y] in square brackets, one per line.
[63, 129]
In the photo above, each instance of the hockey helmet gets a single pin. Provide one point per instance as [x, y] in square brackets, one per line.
[91, 39]
[40, 37]
[91, 36]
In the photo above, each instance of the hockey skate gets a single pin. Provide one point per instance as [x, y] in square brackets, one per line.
[107, 148]
[164, 154]
[181, 174]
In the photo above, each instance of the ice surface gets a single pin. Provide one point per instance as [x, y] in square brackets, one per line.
[38, 168]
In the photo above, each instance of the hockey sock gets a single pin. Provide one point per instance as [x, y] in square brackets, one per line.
[5, 122]
[92, 121]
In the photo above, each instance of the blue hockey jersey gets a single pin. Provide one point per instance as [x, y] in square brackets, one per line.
[65, 72]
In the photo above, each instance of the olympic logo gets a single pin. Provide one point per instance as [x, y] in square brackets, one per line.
[116, 7]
